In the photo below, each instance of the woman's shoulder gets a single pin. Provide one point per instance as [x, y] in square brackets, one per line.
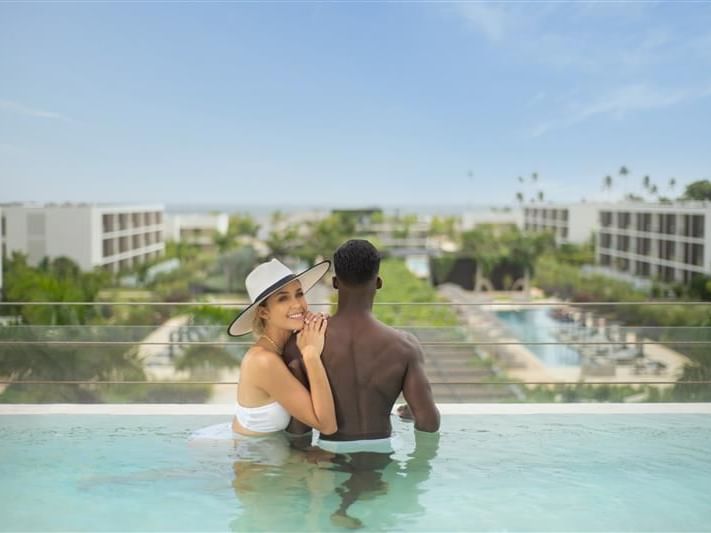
[259, 357]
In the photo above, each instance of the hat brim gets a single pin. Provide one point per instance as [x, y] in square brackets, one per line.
[242, 324]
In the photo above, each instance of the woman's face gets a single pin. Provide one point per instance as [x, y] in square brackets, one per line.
[286, 308]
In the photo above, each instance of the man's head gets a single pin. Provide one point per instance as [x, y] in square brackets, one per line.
[357, 263]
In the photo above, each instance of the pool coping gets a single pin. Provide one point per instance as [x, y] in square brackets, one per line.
[445, 409]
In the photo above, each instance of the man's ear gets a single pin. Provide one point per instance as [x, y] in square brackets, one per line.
[334, 282]
[379, 283]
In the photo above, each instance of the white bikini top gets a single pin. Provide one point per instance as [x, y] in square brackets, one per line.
[263, 419]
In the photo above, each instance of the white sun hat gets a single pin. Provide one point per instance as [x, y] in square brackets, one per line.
[264, 281]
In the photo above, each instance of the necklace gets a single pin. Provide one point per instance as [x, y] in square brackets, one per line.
[276, 346]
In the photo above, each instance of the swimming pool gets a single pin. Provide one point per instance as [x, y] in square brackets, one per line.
[519, 468]
[534, 325]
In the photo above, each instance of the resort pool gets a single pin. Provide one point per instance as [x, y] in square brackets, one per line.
[534, 325]
[561, 471]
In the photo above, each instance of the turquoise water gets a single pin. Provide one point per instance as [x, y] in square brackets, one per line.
[503, 473]
[534, 325]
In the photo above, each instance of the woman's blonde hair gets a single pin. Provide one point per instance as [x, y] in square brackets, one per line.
[258, 323]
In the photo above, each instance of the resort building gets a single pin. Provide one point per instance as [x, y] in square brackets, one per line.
[670, 242]
[196, 228]
[569, 223]
[113, 237]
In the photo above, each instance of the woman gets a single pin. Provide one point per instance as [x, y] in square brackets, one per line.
[268, 394]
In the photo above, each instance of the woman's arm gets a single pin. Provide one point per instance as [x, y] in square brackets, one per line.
[316, 409]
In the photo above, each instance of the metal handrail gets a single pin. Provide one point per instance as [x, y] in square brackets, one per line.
[193, 382]
[451, 304]
[423, 343]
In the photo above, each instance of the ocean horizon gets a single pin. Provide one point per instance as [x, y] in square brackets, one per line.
[263, 210]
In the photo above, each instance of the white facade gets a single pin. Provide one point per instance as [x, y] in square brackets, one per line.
[569, 223]
[671, 242]
[196, 228]
[114, 237]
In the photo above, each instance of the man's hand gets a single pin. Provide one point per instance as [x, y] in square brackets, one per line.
[403, 411]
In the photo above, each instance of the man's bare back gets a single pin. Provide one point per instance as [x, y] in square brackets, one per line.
[368, 363]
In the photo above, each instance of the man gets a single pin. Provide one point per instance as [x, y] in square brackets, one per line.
[368, 363]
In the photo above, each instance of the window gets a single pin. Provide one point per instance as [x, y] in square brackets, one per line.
[623, 220]
[623, 243]
[644, 222]
[605, 219]
[107, 221]
[694, 254]
[108, 247]
[641, 268]
[692, 226]
[605, 240]
[644, 246]
[667, 224]
[666, 250]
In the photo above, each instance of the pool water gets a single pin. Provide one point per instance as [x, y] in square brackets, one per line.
[483, 472]
[535, 325]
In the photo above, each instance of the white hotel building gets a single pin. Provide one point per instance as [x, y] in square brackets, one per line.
[569, 223]
[195, 228]
[113, 237]
[670, 242]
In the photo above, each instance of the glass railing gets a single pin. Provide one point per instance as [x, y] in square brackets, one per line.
[509, 351]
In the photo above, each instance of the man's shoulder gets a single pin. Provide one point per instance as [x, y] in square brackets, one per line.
[402, 341]
[378, 336]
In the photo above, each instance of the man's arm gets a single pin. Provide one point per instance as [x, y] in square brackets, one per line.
[293, 360]
[417, 391]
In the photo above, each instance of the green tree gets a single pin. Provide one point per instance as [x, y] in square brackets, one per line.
[57, 280]
[698, 190]
[283, 242]
[491, 245]
[242, 225]
[326, 235]
[223, 241]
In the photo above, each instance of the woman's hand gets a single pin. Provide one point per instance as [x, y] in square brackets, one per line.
[311, 337]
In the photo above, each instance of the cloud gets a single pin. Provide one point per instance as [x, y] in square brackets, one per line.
[590, 37]
[16, 107]
[491, 21]
[621, 101]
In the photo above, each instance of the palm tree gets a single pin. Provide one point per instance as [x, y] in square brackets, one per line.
[607, 184]
[672, 183]
[540, 196]
[534, 177]
[646, 182]
[624, 171]
[519, 197]
[520, 179]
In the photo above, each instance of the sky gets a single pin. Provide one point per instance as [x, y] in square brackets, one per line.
[351, 103]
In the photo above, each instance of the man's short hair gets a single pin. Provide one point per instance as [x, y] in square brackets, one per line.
[356, 262]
